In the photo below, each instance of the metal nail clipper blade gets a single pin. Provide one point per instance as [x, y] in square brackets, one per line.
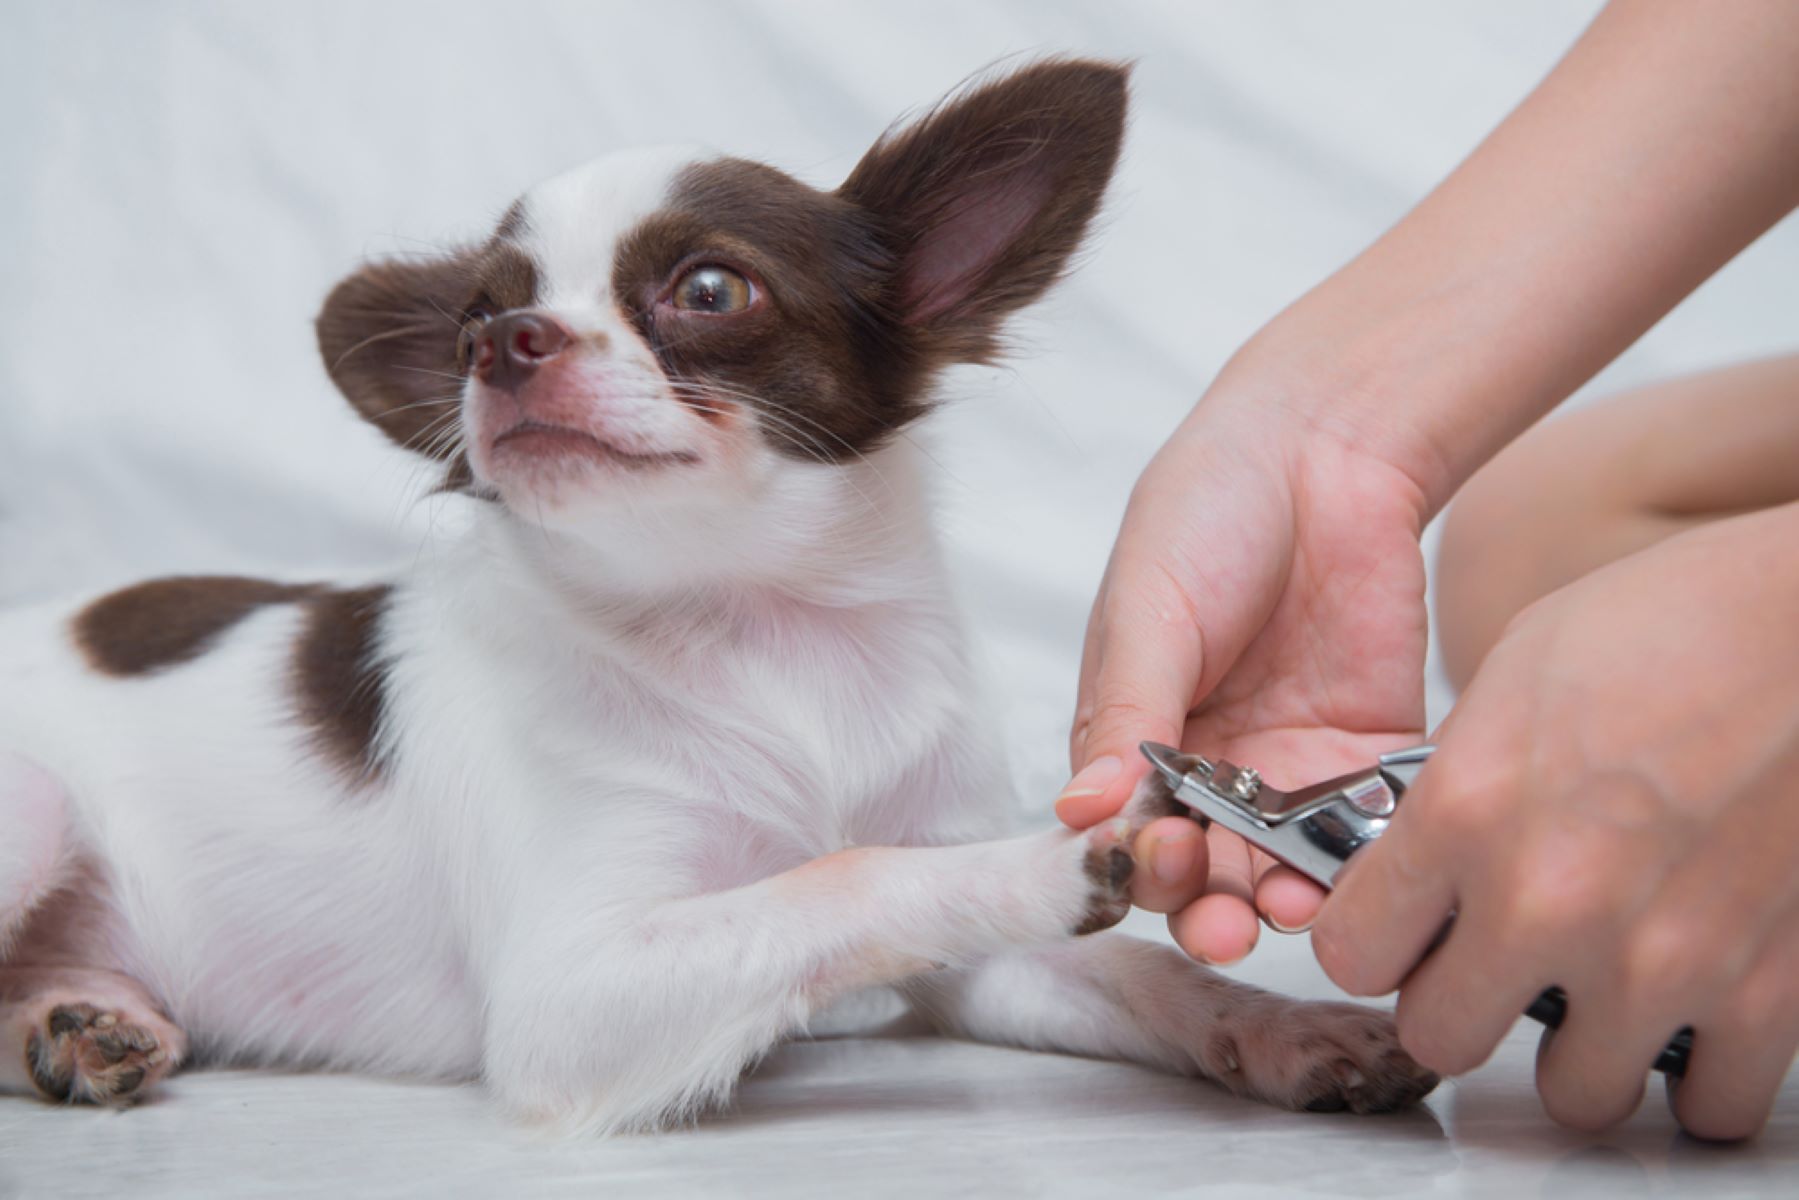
[1315, 829]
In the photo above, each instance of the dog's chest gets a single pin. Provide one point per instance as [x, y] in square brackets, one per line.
[787, 739]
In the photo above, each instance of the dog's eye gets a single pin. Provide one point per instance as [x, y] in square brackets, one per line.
[712, 289]
[473, 318]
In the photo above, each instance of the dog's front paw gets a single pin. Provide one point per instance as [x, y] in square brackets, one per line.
[1107, 864]
[1058, 884]
[1317, 1058]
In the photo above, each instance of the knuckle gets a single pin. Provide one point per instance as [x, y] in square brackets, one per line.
[1472, 798]
[1432, 1042]
[1527, 921]
[1077, 743]
[1554, 895]
[1765, 1000]
[1114, 720]
[1668, 956]
[1120, 708]
[1083, 717]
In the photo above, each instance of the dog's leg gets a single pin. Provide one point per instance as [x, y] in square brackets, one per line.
[82, 1036]
[1119, 997]
[34, 855]
[70, 1033]
[636, 1018]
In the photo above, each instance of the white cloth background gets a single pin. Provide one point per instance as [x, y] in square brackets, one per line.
[184, 181]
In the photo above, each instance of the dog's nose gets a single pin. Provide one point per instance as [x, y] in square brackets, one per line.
[511, 347]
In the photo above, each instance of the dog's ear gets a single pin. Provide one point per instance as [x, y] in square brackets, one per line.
[389, 335]
[985, 199]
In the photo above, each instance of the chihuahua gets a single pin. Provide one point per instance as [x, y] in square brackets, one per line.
[672, 745]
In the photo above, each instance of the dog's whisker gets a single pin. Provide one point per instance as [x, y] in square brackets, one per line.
[451, 375]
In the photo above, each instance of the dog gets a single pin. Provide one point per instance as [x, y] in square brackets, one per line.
[673, 745]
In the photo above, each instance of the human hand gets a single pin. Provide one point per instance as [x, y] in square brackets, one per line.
[1613, 808]
[1267, 577]
[1264, 603]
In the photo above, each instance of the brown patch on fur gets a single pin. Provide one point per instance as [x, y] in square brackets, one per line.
[56, 1084]
[512, 222]
[1333, 1099]
[1345, 1077]
[389, 334]
[1155, 799]
[818, 353]
[166, 622]
[337, 680]
[1109, 873]
[340, 680]
[986, 199]
[392, 336]
[941, 232]
[508, 277]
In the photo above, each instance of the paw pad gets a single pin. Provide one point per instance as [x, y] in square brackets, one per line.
[85, 1055]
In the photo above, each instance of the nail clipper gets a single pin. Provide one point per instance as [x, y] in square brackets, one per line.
[1315, 829]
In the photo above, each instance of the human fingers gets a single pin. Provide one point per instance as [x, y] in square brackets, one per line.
[1149, 660]
[1173, 862]
[1287, 900]
[1387, 909]
[1221, 926]
[1742, 1054]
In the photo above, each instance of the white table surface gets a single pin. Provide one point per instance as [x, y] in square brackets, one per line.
[900, 1114]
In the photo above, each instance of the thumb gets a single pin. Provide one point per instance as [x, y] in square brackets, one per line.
[1147, 655]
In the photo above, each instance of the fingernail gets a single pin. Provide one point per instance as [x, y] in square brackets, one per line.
[1171, 858]
[1279, 928]
[1094, 778]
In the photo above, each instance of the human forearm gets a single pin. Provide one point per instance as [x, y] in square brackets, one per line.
[1593, 486]
[1665, 142]
[1265, 597]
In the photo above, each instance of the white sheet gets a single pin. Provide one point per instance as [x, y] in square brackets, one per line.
[184, 181]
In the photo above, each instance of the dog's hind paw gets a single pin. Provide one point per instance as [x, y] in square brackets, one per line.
[79, 1053]
[1315, 1057]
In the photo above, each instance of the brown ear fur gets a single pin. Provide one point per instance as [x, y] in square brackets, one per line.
[986, 198]
[389, 333]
